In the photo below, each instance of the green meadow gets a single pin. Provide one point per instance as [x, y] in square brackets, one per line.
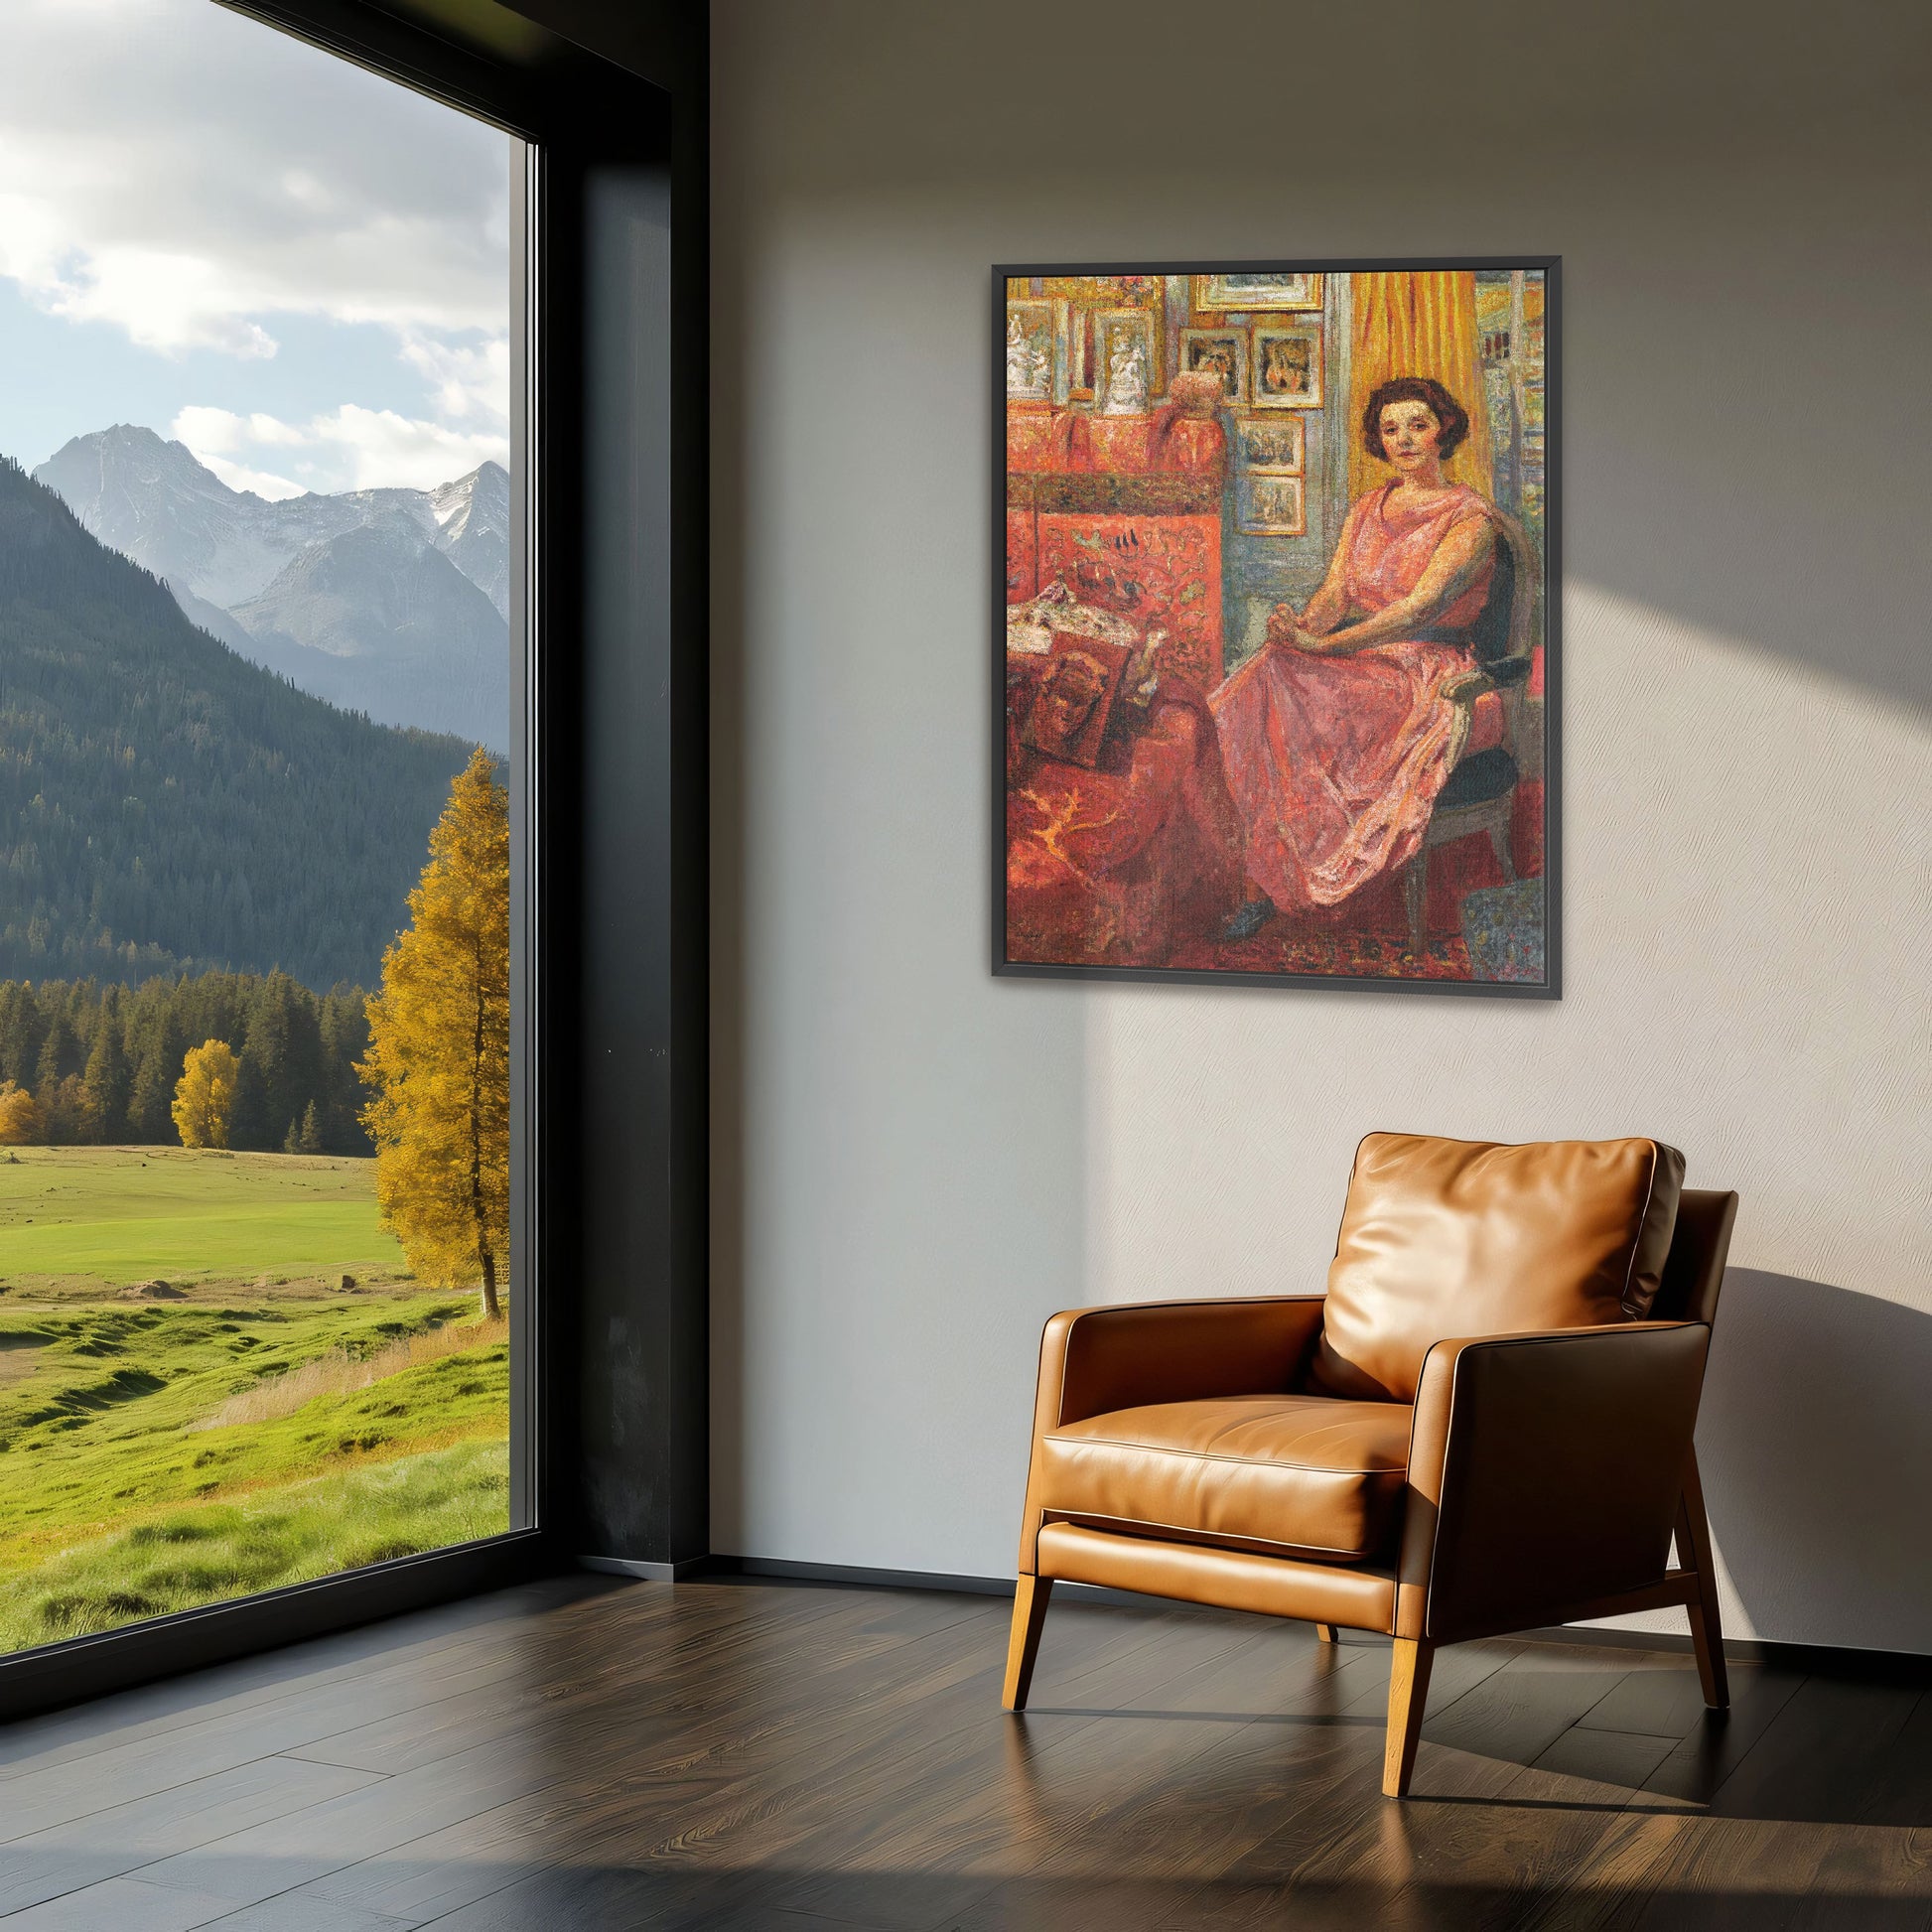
[103, 1216]
[291, 1403]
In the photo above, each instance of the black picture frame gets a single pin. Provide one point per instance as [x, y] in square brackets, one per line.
[1549, 987]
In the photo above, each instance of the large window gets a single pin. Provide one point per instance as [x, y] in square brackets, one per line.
[260, 642]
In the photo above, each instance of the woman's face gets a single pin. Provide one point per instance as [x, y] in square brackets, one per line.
[1410, 434]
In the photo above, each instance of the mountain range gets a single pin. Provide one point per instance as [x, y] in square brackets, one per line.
[167, 806]
[389, 602]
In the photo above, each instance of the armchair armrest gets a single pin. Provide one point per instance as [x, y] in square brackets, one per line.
[1465, 687]
[1093, 1361]
[1544, 1471]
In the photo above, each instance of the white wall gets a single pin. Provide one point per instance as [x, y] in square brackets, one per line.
[916, 1162]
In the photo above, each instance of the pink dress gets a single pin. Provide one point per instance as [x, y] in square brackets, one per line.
[1335, 762]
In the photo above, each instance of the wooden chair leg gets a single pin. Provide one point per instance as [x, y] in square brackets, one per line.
[1694, 1551]
[1325, 1633]
[1414, 894]
[1023, 1644]
[1499, 844]
[1408, 1693]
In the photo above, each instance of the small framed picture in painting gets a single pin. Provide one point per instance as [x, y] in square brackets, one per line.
[1224, 350]
[1273, 505]
[1122, 375]
[1240, 293]
[1288, 365]
[1271, 445]
[1036, 350]
[1277, 657]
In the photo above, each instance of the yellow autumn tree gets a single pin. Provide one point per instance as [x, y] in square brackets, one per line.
[439, 1058]
[205, 1094]
[20, 1117]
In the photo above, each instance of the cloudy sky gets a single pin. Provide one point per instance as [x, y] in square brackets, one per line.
[298, 269]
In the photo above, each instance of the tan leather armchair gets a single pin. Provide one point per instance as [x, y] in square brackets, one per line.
[1484, 1426]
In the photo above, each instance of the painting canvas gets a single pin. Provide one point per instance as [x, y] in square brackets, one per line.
[1277, 658]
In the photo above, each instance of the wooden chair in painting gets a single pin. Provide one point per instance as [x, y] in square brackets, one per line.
[1480, 795]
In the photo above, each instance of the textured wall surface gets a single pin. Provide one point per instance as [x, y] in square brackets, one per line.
[915, 1163]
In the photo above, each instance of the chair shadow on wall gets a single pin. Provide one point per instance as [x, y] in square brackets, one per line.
[1816, 1442]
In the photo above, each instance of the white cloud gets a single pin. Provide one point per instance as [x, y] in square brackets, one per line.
[347, 448]
[467, 380]
[263, 483]
[209, 186]
[196, 180]
[392, 448]
[223, 431]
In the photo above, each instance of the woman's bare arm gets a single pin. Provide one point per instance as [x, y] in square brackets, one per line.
[1457, 562]
[1329, 605]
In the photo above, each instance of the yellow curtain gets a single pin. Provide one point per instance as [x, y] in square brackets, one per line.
[1417, 325]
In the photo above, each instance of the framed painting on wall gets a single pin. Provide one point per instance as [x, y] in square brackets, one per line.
[1288, 365]
[1277, 675]
[1237, 293]
[1123, 370]
[1225, 351]
[1276, 445]
[1273, 505]
[1036, 350]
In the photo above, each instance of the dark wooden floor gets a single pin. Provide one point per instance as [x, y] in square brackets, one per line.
[732, 1755]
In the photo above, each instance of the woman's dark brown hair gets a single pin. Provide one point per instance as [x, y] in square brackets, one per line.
[1454, 418]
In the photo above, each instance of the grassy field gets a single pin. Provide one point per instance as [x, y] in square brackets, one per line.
[105, 1217]
[262, 1425]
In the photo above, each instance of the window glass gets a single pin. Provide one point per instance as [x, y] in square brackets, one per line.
[256, 753]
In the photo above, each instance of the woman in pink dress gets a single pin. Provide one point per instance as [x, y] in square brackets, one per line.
[1336, 736]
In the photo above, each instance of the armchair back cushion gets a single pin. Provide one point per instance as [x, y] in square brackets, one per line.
[1443, 1239]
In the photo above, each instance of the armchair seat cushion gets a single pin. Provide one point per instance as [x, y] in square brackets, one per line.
[1288, 1474]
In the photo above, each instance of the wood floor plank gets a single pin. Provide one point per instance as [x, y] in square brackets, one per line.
[310, 1702]
[497, 1848]
[770, 1834]
[1660, 1696]
[901, 1827]
[121, 1905]
[32, 1745]
[1614, 1764]
[661, 1749]
[1027, 1796]
[292, 1912]
[1484, 1834]
[1719, 1741]
[763, 1758]
[1901, 1777]
[578, 1677]
[296, 1846]
[121, 1839]
[1180, 1827]
[1513, 1717]
[153, 1765]
[1817, 1758]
